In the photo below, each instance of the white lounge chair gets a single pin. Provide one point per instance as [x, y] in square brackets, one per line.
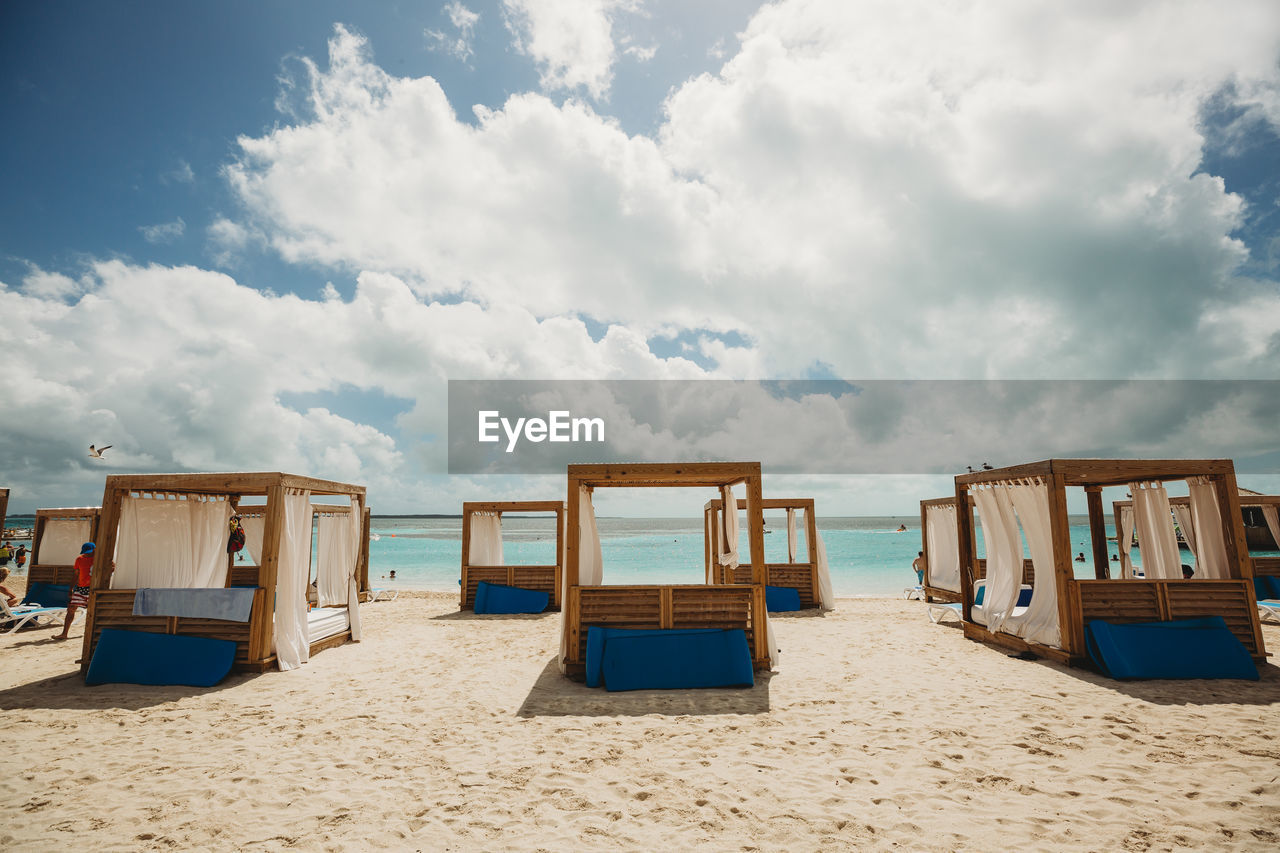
[913, 592]
[939, 612]
[1269, 610]
[21, 614]
[383, 594]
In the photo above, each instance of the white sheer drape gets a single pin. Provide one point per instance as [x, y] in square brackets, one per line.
[254, 527]
[1156, 542]
[61, 541]
[1004, 553]
[791, 534]
[1039, 623]
[333, 559]
[291, 643]
[1209, 546]
[728, 556]
[590, 558]
[1124, 541]
[826, 594]
[1182, 515]
[944, 547]
[486, 540]
[355, 537]
[172, 543]
[1272, 514]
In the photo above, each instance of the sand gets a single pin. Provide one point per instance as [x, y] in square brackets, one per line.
[443, 731]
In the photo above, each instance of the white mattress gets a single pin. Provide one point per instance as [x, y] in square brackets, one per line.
[325, 622]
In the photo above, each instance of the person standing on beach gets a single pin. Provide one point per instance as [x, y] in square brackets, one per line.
[80, 591]
[919, 564]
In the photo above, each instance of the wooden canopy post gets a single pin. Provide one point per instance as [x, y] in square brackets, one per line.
[1098, 533]
[103, 554]
[4, 510]
[269, 563]
[1070, 628]
[967, 545]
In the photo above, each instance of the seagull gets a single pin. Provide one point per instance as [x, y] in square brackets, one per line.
[96, 452]
[987, 467]
[970, 467]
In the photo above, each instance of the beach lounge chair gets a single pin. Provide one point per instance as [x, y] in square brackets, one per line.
[21, 614]
[1269, 610]
[383, 594]
[939, 613]
[913, 592]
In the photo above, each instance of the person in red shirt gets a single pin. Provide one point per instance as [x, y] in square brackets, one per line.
[80, 591]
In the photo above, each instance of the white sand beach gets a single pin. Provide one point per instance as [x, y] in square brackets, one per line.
[443, 731]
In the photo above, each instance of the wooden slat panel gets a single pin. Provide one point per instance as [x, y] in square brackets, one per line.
[540, 578]
[1229, 599]
[1266, 566]
[1119, 601]
[796, 575]
[244, 575]
[476, 574]
[617, 607]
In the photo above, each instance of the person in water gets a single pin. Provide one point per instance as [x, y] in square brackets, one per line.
[902, 528]
[1080, 557]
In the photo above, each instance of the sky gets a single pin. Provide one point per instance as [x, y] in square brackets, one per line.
[264, 236]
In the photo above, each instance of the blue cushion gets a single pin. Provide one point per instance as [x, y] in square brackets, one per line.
[139, 657]
[1024, 597]
[668, 660]
[980, 594]
[496, 598]
[781, 599]
[1184, 648]
[597, 637]
[1266, 586]
[48, 594]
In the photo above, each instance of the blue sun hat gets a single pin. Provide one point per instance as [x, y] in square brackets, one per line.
[87, 548]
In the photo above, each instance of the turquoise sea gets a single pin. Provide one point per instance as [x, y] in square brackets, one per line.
[867, 555]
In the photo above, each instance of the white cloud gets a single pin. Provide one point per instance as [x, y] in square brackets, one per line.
[571, 41]
[165, 232]
[464, 21]
[858, 186]
[180, 174]
[184, 369]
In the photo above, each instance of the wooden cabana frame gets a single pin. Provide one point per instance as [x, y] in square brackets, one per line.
[113, 608]
[1116, 600]
[703, 605]
[1261, 565]
[801, 575]
[42, 570]
[4, 509]
[541, 578]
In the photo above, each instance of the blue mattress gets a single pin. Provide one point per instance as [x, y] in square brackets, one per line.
[1185, 648]
[638, 659]
[140, 657]
[496, 598]
[781, 599]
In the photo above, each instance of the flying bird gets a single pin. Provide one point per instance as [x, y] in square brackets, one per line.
[96, 452]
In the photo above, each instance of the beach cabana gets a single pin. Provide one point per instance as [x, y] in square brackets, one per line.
[1031, 501]
[807, 573]
[173, 575]
[55, 544]
[589, 603]
[1265, 508]
[482, 551]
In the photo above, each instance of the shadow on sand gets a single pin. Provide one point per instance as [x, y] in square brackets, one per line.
[555, 695]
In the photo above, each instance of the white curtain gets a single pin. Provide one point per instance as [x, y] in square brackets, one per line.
[590, 558]
[486, 540]
[333, 559]
[1039, 623]
[1004, 553]
[1156, 543]
[943, 570]
[172, 543]
[355, 539]
[1209, 546]
[292, 643]
[1124, 541]
[791, 534]
[1272, 514]
[1182, 515]
[728, 556]
[826, 595]
[254, 526]
[61, 541]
